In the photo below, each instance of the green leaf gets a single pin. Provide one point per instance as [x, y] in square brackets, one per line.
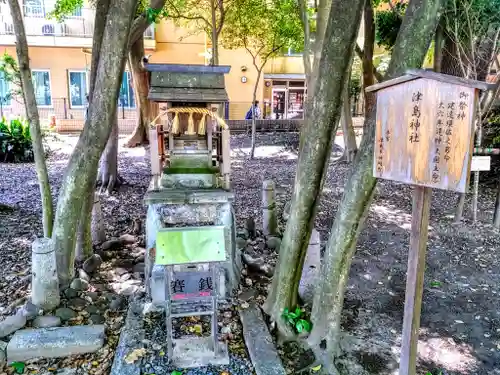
[298, 312]
[306, 324]
[18, 367]
[299, 326]
[175, 372]
[435, 284]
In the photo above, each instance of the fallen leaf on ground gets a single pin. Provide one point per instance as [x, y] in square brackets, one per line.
[134, 355]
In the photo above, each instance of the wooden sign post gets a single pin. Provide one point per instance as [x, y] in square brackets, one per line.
[424, 137]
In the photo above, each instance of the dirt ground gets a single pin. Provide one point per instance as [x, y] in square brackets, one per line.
[460, 324]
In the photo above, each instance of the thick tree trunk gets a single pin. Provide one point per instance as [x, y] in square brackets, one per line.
[411, 46]
[350, 145]
[324, 112]
[33, 117]
[108, 168]
[141, 88]
[83, 248]
[112, 27]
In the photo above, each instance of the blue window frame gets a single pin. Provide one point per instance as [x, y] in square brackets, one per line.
[126, 97]
[5, 95]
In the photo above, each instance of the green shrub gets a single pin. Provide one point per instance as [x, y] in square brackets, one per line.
[15, 141]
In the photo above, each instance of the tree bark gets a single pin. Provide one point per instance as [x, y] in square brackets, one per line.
[410, 49]
[254, 98]
[496, 214]
[215, 36]
[33, 117]
[306, 55]
[324, 113]
[111, 34]
[83, 248]
[367, 60]
[350, 145]
[141, 89]
[108, 169]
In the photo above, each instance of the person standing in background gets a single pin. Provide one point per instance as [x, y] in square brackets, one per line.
[254, 111]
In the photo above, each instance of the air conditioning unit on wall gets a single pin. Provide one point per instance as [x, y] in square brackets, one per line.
[8, 28]
[48, 29]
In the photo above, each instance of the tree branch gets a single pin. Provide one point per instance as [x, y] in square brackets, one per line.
[379, 77]
[140, 23]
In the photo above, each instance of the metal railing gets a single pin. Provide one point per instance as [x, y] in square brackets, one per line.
[37, 23]
[70, 119]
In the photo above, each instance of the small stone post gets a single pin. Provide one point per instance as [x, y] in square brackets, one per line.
[98, 233]
[44, 282]
[269, 218]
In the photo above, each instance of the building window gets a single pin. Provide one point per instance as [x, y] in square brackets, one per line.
[5, 95]
[77, 12]
[41, 83]
[34, 8]
[126, 98]
[77, 82]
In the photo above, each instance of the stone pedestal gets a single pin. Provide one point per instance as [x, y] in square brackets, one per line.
[269, 217]
[44, 284]
[190, 208]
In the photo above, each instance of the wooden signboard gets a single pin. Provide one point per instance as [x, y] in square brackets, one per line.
[424, 134]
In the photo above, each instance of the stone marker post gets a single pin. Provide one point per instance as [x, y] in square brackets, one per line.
[44, 282]
[269, 218]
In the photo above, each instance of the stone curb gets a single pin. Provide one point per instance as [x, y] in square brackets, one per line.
[131, 338]
[265, 358]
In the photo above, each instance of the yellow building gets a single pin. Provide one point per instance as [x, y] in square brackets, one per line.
[60, 61]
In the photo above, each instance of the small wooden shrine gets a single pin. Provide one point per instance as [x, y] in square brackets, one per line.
[191, 260]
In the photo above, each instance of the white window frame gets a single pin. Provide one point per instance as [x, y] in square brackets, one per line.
[4, 105]
[69, 88]
[50, 88]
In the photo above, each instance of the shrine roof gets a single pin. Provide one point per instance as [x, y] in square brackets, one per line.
[188, 68]
[414, 74]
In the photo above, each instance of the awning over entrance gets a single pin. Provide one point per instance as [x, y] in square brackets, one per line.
[187, 83]
[284, 76]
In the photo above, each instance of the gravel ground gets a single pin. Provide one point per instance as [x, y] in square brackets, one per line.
[460, 326]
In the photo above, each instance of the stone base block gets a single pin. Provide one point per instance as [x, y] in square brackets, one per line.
[189, 180]
[54, 342]
[198, 352]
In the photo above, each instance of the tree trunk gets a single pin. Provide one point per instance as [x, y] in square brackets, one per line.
[112, 27]
[486, 52]
[254, 98]
[410, 49]
[108, 169]
[370, 98]
[350, 145]
[33, 117]
[306, 55]
[215, 36]
[324, 112]
[141, 88]
[496, 214]
[83, 248]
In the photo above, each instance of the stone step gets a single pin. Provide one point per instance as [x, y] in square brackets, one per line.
[54, 342]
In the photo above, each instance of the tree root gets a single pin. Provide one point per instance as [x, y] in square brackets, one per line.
[109, 183]
[136, 139]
